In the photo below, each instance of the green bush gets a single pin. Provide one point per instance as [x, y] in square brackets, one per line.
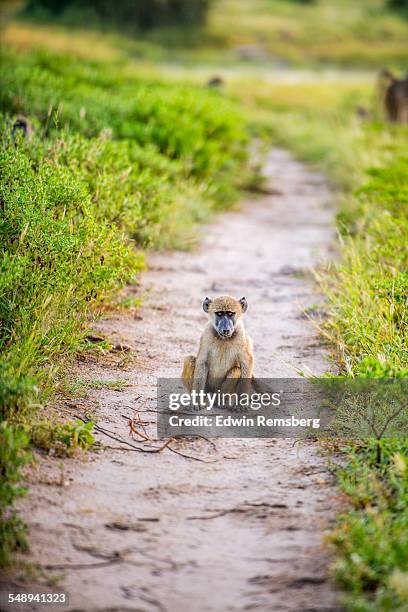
[398, 4]
[13, 456]
[117, 164]
[197, 127]
[127, 14]
[57, 259]
[63, 438]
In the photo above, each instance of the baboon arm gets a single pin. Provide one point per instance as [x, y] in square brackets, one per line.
[246, 365]
[200, 374]
[189, 367]
[188, 372]
[201, 367]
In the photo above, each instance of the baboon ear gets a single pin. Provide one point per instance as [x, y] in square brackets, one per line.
[244, 304]
[206, 304]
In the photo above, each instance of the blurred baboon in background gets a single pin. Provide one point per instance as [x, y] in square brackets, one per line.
[363, 113]
[215, 81]
[394, 96]
[22, 126]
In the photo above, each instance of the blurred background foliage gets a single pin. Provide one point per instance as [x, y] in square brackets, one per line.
[293, 32]
[271, 32]
[126, 14]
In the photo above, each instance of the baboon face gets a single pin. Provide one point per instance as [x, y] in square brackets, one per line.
[224, 313]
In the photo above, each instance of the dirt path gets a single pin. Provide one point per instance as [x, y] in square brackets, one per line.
[125, 520]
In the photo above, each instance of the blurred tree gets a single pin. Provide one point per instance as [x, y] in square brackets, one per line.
[127, 13]
[398, 4]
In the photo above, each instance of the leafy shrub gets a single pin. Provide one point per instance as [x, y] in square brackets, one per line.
[133, 159]
[63, 438]
[13, 456]
[143, 192]
[197, 127]
[76, 434]
[117, 164]
[18, 393]
[57, 259]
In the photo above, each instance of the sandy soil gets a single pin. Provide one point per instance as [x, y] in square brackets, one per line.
[241, 528]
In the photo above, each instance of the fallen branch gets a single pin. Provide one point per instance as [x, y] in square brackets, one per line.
[213, 516]
[237, 509]
[80, 566]
[133, 430]
[192, 457]
[145, 450]
[109, 434]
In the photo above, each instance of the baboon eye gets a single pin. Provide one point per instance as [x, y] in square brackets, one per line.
[230, 314]
[219, 313]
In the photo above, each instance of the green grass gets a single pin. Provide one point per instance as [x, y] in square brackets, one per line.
[367, 304]
[370, 538]
[118, 163]
[368, 164]
[111, 385]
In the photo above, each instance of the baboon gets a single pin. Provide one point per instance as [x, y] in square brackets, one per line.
[22, 126]
[394, 94]
[363, 113]
[215, 81]
[225, 357]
